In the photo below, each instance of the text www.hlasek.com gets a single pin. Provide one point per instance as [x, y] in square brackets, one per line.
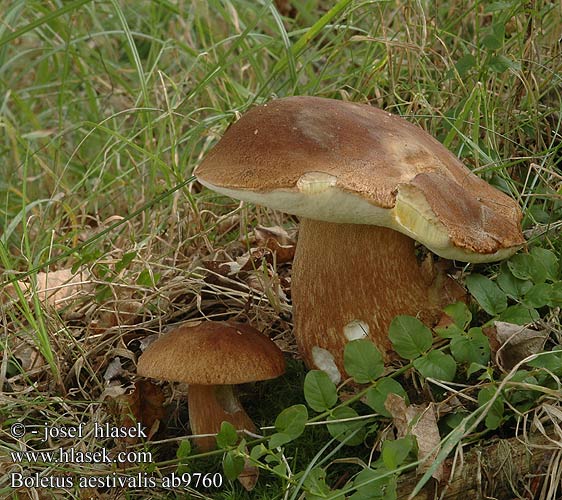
[62, 455]
[105, 480]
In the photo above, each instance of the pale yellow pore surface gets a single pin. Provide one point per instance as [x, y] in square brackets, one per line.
[350, 163]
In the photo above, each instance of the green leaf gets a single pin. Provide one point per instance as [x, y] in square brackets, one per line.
[544, 294]
[512, 286]
[500, 63]
[319, 391]
[376, 396]
[526, 266]
[232, 465]
[258, 451]
[341, 430]
[465, 64]
[487, 293]
[290, 424]
[556, 295]
[473, 368]
[394, 453]
[125, 261]
[494, 39]
[227, 435]
[461, 316]
[148, 279]
[315, 483]
[184, 450]
[292, 420]
[459, 313]
[549, 260]
[539, 295]
[519, 314]
[370, 485]
[363, 361]
[453, 420]
[449, 331]
[182, 454]
[551, 361]
[409, 336]
[278, 439]
[473, 347]
[103, 293]
[437, 365]
[280, 470]
[499, 6]
[494, 415]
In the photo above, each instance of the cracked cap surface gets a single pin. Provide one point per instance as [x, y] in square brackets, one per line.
[345, 162]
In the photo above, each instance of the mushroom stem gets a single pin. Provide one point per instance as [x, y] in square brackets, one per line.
[209, 406]
[351, 280]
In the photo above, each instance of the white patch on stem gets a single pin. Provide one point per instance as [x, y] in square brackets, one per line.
[324, 361]
[355, 330]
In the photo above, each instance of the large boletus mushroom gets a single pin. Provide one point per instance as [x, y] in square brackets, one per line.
[211, 357]
[367, 184]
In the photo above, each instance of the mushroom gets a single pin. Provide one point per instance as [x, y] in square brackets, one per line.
[367, 184]
[211, 357]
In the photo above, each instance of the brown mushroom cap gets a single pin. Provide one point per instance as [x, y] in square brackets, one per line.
[212, 353]
[344, 162]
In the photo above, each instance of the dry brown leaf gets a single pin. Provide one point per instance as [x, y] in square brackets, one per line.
[229, 267]
[114, 390]
[421, 422]
[228, 223]
[249, 476]
[278, 241]
[29, 357]
[277, 233]
[402, 414]
[512, 343]
[285, 8]
[114, 369]
[283, 253]
[145, 405]
[55, 288]
[119, 312]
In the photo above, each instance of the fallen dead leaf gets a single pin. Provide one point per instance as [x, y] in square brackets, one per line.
[512, 343]
[279, 234]
[119, 312]
[144, 404]
[114, 390]
[54, 288]
[28, 356]
[278, 241]
[228, 223]
[114, 369]
[249, 475]
[421, 422]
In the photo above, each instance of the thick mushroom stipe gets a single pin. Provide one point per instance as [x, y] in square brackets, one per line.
[209, 406]
[355, 285]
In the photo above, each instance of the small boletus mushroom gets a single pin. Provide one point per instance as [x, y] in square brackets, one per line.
[367, 185]
[211, 357]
